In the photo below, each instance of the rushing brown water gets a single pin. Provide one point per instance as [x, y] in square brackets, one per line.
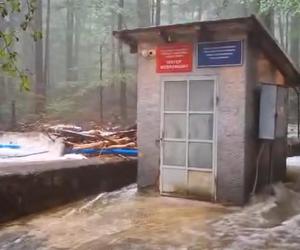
[127, 220]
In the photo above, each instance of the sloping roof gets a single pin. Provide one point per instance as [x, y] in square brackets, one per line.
[250, 24]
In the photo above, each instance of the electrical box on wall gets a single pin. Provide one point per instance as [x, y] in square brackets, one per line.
[272, 115]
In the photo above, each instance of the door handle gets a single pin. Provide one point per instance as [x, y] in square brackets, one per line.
[159, 140]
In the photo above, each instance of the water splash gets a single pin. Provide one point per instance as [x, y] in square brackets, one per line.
[268, 222]
[126, 219]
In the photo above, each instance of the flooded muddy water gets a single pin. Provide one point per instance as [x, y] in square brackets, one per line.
[126, 219]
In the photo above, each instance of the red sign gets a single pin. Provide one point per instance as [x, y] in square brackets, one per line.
[177, 57]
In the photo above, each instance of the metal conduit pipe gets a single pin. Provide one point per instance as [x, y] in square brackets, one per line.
[298, 111]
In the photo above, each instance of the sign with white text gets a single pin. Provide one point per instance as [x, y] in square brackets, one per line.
[217, 54]
[172, 58]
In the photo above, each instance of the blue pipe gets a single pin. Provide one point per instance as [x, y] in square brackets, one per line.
[107, 151]
[12, 146]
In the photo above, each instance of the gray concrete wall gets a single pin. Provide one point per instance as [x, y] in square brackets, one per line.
[252, 115]
[259, 69]
[31, 187]
[231, 141]
[230, 123]
[148, 119]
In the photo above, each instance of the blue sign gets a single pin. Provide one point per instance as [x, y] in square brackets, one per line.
[216, 54]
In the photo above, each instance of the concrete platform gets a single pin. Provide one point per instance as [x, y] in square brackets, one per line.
[26, 188]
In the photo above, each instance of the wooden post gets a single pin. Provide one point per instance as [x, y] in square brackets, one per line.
[13, 120]
[101, 81]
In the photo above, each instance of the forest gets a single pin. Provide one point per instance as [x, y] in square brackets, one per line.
[60, 62]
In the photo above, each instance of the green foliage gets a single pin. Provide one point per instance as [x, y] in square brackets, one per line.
[15, 5]
[25, 82]
[37, 35]
[8, 38]
[291, 6]
[60, 107]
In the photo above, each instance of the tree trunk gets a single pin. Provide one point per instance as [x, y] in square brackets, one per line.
[294, 47]
[69, 40]
[3, 94]
[245, 5]
[170, 12]
[281, 30]
[152, 12]
[199, 10]
[143, 11]
[13, 117]
[267, 16]
[113, 54]
[77, 37]
[40, 87]
[123, 86]
[47, 45]
[287, 32]
[3, 97]
[157, 12]
[101, 81]
[268, 19]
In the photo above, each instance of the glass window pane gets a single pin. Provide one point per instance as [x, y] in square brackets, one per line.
[175, 96]
[201, 127]
[200, 183]
[200, 155]
[201, 95]
[174, 154]
[175, 126]
[174, 180]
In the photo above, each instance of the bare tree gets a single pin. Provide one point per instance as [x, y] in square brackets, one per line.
[268, 19]
[70, 40]
[3, 27]
[267, 16]
[113, 48]
[77, 37]
[122, 67]
[199, 10]
[101, 46]
[170, 11]
[287, 31]
[157, 12]
[143, 11]
[294, 41]
[40, 87]
[281, 29]
[47, 45]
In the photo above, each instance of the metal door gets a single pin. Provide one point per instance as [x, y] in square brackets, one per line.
[188, 136]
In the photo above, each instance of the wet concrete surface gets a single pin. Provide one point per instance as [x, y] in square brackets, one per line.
[118, 220]
[125, 219]
[36, 186]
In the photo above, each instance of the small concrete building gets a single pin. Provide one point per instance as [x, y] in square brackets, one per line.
[212, 108]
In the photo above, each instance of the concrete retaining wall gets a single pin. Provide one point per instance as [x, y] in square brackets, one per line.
[32, 187]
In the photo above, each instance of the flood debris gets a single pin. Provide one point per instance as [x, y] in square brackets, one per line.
[67, 141]
[96, 142]
[29, 146]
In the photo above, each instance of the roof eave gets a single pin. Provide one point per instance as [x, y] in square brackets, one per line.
[273, 50]
[252, 23]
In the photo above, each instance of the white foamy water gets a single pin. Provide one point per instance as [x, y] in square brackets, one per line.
[268, 223]
[125, 219]
[34, 146]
